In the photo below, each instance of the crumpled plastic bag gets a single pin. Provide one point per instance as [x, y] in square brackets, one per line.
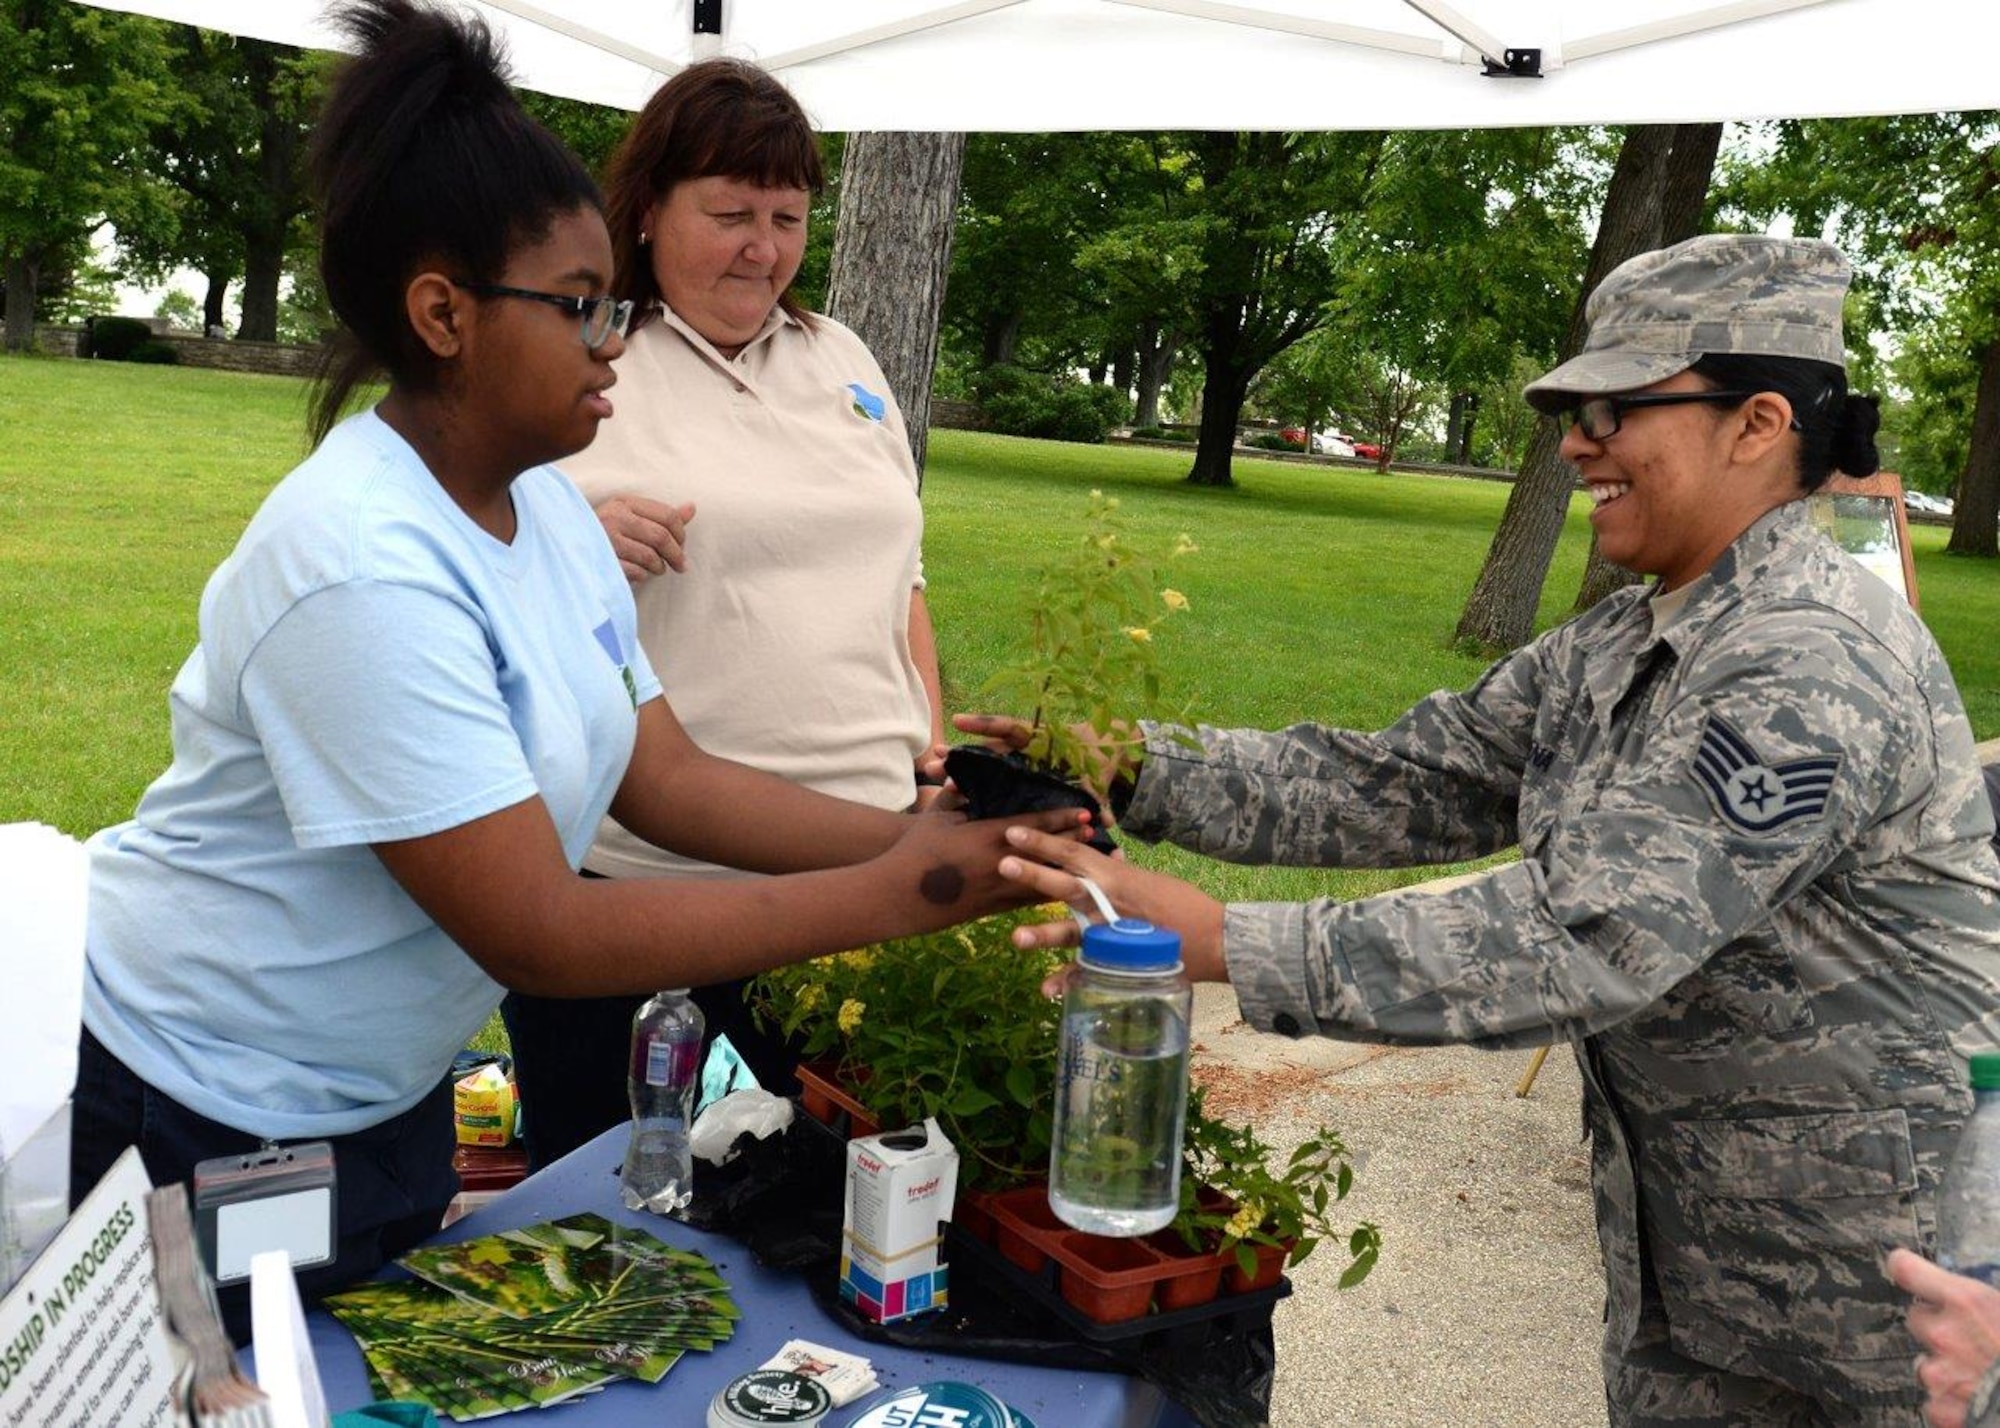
[754, 1112]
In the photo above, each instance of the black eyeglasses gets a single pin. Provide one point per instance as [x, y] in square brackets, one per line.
[1600, 417]
[599, 316]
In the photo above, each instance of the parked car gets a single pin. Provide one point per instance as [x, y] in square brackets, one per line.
[1933, 505]
[1333, 443]
[1368, 450]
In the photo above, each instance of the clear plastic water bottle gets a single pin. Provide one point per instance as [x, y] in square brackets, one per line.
[1121, 1086]
[665, 1074]
[1969, 1200]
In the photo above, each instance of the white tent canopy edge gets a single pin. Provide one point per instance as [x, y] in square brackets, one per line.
[1017, 65]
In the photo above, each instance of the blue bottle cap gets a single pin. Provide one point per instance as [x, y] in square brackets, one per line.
[1130, 945]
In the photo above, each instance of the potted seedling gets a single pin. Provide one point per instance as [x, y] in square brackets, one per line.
[1090, 673]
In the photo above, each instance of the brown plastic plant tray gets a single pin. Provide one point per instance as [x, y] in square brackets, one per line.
[1105, 1289]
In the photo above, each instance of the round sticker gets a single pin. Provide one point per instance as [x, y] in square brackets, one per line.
[771, 1396]
[960, 1404]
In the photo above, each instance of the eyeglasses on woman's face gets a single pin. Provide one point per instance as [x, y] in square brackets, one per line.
[599, 316]
[1600, 417]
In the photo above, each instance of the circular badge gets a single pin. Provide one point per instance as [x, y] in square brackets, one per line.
[960, 1404]
[771, 1396]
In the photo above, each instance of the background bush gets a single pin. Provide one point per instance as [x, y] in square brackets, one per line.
[115, 338]
[157, 354]
[1018, 402]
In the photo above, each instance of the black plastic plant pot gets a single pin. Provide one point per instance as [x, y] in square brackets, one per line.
[997, 785]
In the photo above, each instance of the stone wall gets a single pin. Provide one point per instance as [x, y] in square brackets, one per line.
[194, 350]
[957, 415]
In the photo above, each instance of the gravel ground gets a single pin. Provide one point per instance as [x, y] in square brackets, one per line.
[1486, 1305]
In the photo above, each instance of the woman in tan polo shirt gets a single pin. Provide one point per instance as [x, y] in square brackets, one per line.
[758, 488]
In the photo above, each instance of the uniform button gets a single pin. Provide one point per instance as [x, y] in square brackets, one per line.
[1285, 1024]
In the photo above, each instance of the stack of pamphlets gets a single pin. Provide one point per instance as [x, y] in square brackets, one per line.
[533, 1316]
[208, 1381]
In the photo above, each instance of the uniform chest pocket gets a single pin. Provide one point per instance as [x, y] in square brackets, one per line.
[1790, 1217]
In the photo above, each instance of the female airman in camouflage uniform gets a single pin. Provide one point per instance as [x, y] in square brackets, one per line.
[1755, 888]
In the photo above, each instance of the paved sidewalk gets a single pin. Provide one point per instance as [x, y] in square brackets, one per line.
[1486, 1306]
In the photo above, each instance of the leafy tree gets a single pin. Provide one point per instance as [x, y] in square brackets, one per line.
[1418, 291]
[80, 93]
[230, 159]
[1912, 198]
[1500, 612]
[1031, 205]
[178, 308]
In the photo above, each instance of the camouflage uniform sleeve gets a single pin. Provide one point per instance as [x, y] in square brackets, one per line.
[1642, 876]
[1984, 1409]
[1438, 786]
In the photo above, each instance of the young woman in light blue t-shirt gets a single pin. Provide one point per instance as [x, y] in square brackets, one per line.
[418, 689]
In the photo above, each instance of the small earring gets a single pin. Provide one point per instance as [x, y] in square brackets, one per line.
[644, 239]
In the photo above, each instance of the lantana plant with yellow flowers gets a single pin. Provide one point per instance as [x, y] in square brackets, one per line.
[1091, 670]
[951, 1024]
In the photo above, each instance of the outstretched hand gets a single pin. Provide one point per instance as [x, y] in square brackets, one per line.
[1956, 1322]
[1051, 869]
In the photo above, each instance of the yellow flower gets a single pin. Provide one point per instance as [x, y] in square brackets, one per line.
[811, 995]
[1247, 1218]
[1140, 634]
[850, 1015]
[860, 959]
[1174, 599]
[1185, 545]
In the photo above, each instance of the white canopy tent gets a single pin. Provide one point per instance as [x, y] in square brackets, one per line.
[997, 65]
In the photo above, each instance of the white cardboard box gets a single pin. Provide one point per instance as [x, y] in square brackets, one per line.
[900, 1189]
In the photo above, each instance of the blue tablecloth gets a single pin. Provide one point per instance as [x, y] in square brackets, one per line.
[775, 1306]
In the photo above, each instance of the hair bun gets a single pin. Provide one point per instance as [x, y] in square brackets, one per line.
[1854, 435]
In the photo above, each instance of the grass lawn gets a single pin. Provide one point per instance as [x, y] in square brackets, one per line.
[1327, 594]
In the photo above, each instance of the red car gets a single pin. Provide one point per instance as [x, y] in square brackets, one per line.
[1368, 450]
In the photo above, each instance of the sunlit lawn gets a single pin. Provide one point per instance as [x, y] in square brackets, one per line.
[1327, 594]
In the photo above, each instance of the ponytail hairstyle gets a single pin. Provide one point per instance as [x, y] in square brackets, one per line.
[1836, 427]
[422, 158]
[721, 118]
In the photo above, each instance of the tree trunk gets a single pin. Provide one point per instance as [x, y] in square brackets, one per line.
[23, 273]
[1121, 369]
[263, 266]
[1223, 388]
[891, 256]
[1463, 454]
[1690, 167]
[1500, 612]
[1157, 350]
[1972, 521]
[1683, 199]
[1601, 577]
[1002, 335]
[1454, 424]
[211, 302]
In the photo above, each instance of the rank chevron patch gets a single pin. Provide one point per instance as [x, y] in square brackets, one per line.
[1753, 795]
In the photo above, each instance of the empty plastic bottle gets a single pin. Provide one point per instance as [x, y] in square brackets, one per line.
[1121, 1085]
[665, 1074]
[1969, 1200]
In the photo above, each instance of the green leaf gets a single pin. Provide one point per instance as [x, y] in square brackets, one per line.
[1358, 1271]
[970, 1101]
[1021, 1085]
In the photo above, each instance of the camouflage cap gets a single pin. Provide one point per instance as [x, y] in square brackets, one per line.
[1662, 312]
